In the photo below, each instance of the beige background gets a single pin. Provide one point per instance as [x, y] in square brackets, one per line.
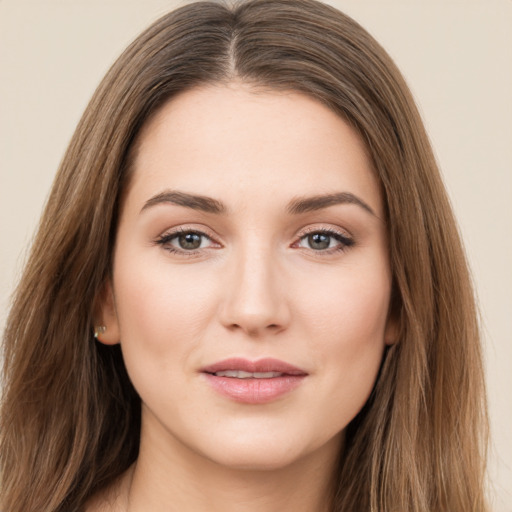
[455, 54]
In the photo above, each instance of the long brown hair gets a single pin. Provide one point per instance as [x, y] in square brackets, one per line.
[70, 418]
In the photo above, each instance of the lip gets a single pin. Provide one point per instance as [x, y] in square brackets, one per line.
[254, 390]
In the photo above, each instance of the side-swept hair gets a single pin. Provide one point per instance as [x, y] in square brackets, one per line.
[70, 418]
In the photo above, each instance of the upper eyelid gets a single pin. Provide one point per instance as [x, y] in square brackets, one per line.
[172, 235]
[214, 237]
[324, 229]
[340, 237]
[184, 228]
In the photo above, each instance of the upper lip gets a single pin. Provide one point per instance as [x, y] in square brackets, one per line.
[261, 365]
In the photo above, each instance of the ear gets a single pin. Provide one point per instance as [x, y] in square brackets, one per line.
[106, 317]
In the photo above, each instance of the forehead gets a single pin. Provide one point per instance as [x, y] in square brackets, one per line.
[234, 141]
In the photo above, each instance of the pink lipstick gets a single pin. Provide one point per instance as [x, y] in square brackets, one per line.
[253, 382]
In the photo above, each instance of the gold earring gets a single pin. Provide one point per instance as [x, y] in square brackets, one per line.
[99, 329]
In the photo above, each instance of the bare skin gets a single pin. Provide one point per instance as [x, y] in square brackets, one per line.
[290, 263]
[288, 490]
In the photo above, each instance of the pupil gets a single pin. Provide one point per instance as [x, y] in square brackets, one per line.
[190, 241]
[319, 241]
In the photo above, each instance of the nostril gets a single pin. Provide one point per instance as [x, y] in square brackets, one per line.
[254, 330]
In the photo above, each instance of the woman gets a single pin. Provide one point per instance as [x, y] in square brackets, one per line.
[247, 289]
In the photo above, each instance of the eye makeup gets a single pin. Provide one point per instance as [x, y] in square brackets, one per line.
[324, 241]
[187, 242]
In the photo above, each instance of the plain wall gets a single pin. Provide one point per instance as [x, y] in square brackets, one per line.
[455, 54]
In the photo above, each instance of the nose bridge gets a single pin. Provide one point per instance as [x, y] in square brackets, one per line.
[254, 299]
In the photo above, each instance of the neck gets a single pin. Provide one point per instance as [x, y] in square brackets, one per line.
[173, 479]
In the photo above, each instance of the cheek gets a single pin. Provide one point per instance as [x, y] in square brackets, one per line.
[347, 328]
[351, 308]
[162, 312]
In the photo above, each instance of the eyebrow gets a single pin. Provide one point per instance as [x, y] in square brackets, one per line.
[195, 202]
[309, 204]
[295, 207]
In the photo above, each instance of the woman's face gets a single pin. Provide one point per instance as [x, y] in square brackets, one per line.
[251, 279]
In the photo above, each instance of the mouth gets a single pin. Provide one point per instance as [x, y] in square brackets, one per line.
[240, 374]
[253, 382]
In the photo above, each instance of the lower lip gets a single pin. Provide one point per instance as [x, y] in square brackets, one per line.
[254, 391]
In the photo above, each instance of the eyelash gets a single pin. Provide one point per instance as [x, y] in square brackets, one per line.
[344, 241]
[166, 239]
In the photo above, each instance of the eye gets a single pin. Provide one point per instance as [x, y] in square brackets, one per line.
[185, 241]
[188, 241]
[325, 240]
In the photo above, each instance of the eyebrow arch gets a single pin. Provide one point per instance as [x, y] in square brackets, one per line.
[309, 204]
[195, 202]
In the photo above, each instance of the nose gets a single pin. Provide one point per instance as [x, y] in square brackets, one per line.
[254, 299]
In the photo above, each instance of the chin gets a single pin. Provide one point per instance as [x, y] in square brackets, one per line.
[256, 452]
[258, 459]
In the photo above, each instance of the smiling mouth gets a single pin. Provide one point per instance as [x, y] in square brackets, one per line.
[240, 374]
[253, 382]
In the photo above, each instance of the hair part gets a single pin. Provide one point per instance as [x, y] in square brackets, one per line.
[70, 418]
